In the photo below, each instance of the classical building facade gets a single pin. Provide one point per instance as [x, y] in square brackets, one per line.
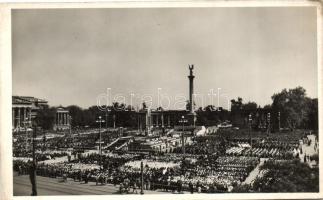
[62, 119]
[24, 109]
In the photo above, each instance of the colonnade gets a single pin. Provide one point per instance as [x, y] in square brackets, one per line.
[21, 116]
[62, 118]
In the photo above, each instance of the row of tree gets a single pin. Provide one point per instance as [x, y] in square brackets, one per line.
[290, 109]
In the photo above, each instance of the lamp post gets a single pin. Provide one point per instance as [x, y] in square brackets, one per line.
[268, 123]
[32, 172]
[218, 99]
[114, 121]
[100, 147]
[106, 118]
[142, 177]
[71, 135]
[138, 123]
[183, 121]
[70, 123]
[107, 110]
[278, 121]
[26, 131]
[250, 122]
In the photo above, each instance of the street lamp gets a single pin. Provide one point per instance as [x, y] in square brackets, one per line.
[26, 122]
[183, 121]
[70, 123]
[114, 121]
[268, 123]
[250, 122]
[32, 172]
[100, 147]
[71, 135]
[278, 121]
[218, 99]
[107, 110]
[142, 177]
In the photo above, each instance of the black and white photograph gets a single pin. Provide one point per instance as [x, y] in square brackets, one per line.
[183, 101]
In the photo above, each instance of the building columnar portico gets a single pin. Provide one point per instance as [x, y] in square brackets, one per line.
[24, 109]
[62, 119]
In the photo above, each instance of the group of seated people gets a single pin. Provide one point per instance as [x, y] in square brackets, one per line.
[83, 139]
[108, 161]
[40, 156]
[157, 175]
[261, 152]
[280, 146]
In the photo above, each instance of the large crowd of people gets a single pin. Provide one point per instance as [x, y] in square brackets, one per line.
[211, 164]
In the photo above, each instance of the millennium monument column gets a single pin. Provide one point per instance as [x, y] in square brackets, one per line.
[191, 79]
[191, 115]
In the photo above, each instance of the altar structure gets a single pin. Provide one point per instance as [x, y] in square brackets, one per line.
[152, 119]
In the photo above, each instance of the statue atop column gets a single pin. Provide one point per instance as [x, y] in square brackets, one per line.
[191, 87]
[191, 67]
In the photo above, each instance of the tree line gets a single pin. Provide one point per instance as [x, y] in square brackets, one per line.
[291, 107]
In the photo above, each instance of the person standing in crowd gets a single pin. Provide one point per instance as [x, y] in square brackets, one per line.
[191, 188]
[135, 188]
[64, 177]
[105, 178]
[168, 184]
[19, 170]
[80, 176]
[126, 184]
[74, 175]
[121, 188]
[198, 186]
[148, 184]
[180, 185]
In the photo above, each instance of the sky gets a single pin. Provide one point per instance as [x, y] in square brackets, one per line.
[71, 56]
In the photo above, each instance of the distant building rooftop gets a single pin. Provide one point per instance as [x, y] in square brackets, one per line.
[27, 100]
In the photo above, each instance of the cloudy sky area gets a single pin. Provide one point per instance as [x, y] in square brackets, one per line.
[71, 56]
